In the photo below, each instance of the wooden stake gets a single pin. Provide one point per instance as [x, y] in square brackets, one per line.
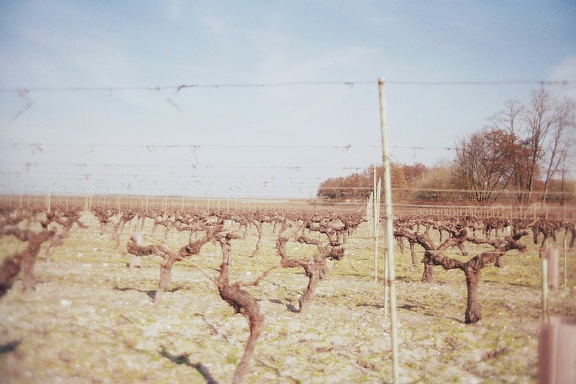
[565, 262]
[545, 289]
[389, 232]
[48, 201]
[551, 254]
[374, 229]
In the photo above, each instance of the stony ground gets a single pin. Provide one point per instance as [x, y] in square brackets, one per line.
[91, 319]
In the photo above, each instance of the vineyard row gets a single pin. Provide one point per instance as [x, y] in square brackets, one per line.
[326, 231]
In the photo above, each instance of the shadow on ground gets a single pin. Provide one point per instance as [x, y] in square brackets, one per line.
[183, 359]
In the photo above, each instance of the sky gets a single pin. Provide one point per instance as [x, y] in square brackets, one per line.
[258, 98]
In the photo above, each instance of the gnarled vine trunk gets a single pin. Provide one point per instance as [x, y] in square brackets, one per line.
[472, 268]
[473, 313]
[258, 226]
[314, 267]
[242, 303]
[313, 273]
[22, 260]
[135, 248]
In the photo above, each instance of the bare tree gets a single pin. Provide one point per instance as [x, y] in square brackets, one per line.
[536, 138]
[508, 122]
[561, 139]
[538, 122]
[481, 165]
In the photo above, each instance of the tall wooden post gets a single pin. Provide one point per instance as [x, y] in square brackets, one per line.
[375, 223]
[48, 205]
[544, 289]
[565, 259]
[551, 254]
[389, 232]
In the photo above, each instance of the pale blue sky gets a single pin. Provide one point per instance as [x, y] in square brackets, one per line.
[250, 140]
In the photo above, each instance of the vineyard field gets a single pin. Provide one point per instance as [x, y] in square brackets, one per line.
[91, 318]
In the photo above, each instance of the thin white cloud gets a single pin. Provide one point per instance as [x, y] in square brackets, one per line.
[280, 60]
[217, 26]
[175, 7]
[566, 72]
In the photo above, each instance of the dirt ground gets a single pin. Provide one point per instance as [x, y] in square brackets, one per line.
[91, 319]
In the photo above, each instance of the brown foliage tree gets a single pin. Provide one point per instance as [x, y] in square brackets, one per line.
[482, 164]
[359, 186]
[538, 135]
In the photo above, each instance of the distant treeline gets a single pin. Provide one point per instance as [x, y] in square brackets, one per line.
[522, 154]
[438, 184]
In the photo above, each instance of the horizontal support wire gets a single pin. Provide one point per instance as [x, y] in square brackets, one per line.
[91, 176]
[284, 84]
